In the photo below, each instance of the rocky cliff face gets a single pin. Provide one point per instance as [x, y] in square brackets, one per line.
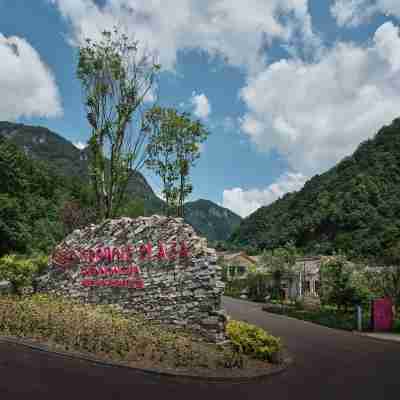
[156, 266]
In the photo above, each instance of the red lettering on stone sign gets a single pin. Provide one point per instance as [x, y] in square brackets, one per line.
[99, 254]
[92, 255]
[162, 254]
[129, 252]
[134, 283]
[107, 254]
[134, 270]
[140, 284]
[115, 270]
[145, 251]
[124, 270]
[184, 252]
[116, 255]
[137, 284]
[83, 255]
[172, 252]
[66, 258]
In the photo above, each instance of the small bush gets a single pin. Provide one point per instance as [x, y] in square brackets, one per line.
[17, 270]
[21, 271]
[232, 359]
[253, 341]
[299, 303]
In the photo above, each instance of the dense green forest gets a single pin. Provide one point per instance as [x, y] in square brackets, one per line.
[44, 193]
[354, 207]
[31, 200]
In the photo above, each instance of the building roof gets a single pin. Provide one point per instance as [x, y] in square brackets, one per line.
[230, 256]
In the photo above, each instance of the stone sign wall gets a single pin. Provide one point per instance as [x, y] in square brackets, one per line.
[156, 266]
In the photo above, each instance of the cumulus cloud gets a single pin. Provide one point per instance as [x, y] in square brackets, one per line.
[245, 202]
[159, 194]
[151, 95]
[80, 145]
[27, 85]
[355, 12]
[316, 113]
[202, 107]
[238, 31]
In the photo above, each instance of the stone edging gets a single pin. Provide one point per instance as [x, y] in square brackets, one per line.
[275, 370]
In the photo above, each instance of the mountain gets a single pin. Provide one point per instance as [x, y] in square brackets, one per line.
[210, 219]
[353, 207]
[40, 143]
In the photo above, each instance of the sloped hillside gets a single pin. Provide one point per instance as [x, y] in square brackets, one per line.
[353, 207]
[209, 219]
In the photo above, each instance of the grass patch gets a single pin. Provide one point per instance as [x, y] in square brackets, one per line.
[396, 327]
[106, 333]
[326, 316]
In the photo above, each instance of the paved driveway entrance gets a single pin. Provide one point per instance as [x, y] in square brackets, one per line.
[328, 365]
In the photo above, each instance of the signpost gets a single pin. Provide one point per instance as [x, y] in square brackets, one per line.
[359, 318]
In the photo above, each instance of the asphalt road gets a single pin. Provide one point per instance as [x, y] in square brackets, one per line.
[328, 364]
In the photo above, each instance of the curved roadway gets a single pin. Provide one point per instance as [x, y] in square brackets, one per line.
[328, 364]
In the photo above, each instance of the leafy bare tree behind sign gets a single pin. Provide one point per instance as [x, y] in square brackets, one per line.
[116, 77]
[174, 146]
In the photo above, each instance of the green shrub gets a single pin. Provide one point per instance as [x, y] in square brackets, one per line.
[20, 270]
[253, 341]
[232, 359]
[343, 284]
[299, 303]
[106, 332]
[235, 287]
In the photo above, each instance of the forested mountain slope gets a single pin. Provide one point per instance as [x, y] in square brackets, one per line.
[39, 143]
[353, 207]
[210, 218]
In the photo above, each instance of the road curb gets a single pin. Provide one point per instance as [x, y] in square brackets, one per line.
[378, 339]
[278, 369]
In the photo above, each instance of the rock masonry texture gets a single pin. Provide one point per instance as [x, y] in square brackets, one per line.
[186, 292]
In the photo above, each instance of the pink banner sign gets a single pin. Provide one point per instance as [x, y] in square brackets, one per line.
[382, 314]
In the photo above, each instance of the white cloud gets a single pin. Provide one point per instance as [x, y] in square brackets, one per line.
[151, 95]
[159, 194]
[80, 145]
[202, 107]
[355, 12]
[316, 113]
[239, 31]
[245, 202]
[27, 85]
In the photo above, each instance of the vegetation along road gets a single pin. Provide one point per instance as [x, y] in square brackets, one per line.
[328, 364]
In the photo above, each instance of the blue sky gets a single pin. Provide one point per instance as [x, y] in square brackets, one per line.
[286, 87]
